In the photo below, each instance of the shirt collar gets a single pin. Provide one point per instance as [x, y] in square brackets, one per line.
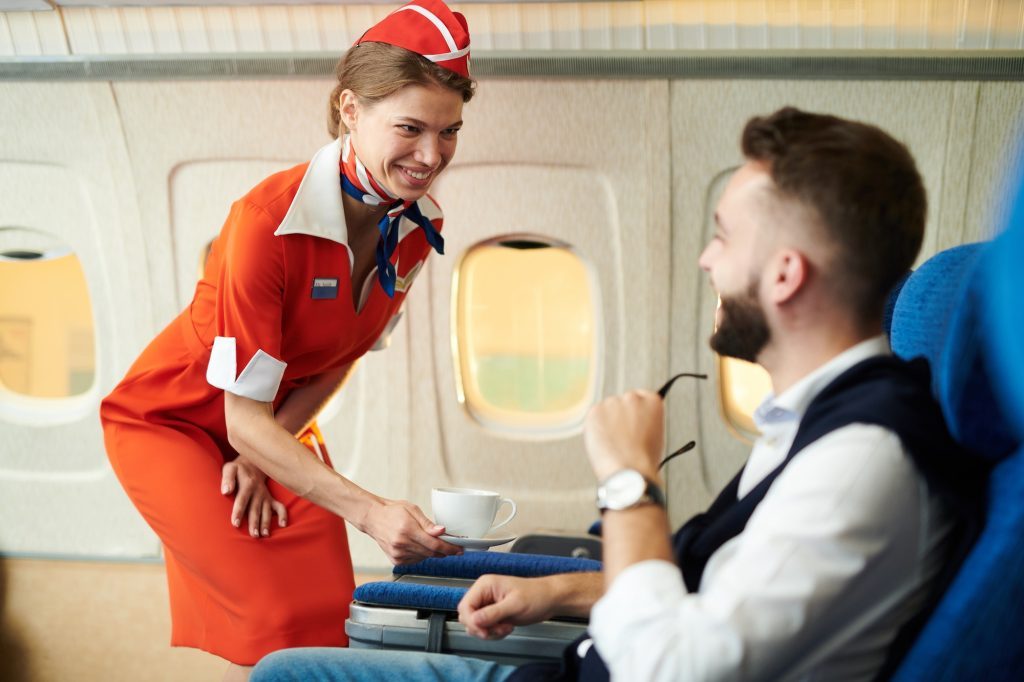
[316, 208]
[791, 405]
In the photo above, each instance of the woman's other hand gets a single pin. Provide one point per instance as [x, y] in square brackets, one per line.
[253, 501]
[405, 533]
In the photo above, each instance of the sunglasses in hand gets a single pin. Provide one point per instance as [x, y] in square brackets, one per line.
[662, 392]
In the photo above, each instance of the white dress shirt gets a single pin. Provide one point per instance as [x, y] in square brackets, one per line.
[833, 561]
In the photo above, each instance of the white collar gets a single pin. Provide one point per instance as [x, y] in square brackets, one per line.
[794, 401]
[317, 208]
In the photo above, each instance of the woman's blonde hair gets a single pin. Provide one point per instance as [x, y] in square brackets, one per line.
[373, 71]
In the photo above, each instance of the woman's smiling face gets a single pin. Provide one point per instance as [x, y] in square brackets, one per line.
[406, 139]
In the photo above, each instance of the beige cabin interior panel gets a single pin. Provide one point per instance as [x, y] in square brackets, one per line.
[64, 175]
[997, 149]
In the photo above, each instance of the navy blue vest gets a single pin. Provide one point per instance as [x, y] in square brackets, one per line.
[882, 391]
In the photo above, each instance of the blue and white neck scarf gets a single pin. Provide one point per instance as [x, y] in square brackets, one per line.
[357, 182]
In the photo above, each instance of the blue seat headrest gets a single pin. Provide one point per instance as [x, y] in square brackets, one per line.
[1004, 312]
[937, 316]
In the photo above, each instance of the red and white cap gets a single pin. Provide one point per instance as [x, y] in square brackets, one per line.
[428, 28]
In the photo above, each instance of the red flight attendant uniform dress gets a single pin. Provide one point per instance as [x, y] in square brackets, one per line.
[276, 301]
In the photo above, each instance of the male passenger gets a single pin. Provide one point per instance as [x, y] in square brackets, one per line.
[830, 539]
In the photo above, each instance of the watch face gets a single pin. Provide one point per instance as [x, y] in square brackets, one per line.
[624, 489]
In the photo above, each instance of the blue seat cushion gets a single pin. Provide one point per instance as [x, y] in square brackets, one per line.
[409, 595]
[469, 566]
[472, 565]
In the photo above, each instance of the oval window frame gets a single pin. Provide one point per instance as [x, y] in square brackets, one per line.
[566, 429]
[36, 411]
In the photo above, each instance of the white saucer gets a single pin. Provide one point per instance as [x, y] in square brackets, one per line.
[477, 543]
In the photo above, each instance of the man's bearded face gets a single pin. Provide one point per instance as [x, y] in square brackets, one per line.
[742, 326]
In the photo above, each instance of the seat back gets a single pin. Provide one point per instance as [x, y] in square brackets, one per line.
[1003, 313]
[936, 316]
[977, 630]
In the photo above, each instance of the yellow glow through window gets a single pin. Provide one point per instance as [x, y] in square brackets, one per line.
[744, 385]
[46, 325]
[526, 336]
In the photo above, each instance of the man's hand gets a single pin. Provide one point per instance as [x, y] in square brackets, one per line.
[497, 603]
[252, 499]
[626, 431]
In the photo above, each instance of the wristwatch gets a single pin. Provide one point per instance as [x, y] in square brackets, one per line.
[628, 488]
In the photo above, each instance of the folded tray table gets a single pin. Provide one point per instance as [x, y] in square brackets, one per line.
[416, 610]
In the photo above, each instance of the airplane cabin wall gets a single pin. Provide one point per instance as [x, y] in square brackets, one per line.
[66, 173]
[136, 176]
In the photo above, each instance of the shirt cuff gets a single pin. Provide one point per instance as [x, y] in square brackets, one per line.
[258, 381]
[642, 590]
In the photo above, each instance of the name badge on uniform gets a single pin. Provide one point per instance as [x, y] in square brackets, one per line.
[325, 287]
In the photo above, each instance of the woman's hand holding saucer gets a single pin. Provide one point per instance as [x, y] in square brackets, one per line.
[253, 500]
[405, 533]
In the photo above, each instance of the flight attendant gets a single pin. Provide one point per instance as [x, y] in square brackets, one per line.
[211, 432]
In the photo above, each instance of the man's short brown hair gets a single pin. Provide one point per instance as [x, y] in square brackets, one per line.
[864, 187]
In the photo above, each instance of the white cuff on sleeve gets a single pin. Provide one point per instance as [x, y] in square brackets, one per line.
[258, 381]
[385, 336]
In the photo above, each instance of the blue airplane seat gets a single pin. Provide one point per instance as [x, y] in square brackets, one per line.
[1003, 312]
[415, 610]
[976, 631]
[937, 316]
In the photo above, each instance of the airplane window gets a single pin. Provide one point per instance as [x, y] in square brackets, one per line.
[46, 324]
[744, 385]
[526, 335]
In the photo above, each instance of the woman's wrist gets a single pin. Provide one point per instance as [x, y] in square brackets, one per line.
[362, 508]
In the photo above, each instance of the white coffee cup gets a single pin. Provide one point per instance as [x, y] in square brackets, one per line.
[467, 512]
